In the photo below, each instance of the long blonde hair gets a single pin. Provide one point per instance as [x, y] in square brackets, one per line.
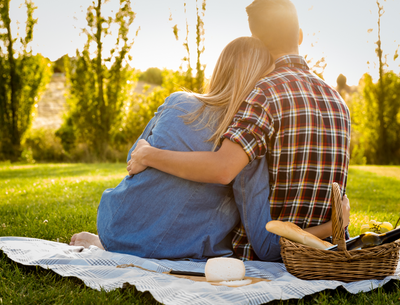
[242, 63]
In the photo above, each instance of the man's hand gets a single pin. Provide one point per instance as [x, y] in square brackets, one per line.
[220, 167]
[346, 211]
[135, 165]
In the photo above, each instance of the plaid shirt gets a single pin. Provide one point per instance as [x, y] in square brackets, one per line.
[302, 126]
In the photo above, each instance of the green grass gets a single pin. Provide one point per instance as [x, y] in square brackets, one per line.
[374, 193]
[53, 201]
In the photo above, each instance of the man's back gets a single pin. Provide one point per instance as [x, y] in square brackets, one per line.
[302, 126]
[310, 148]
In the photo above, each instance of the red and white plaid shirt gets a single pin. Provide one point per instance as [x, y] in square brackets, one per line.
[302, 126]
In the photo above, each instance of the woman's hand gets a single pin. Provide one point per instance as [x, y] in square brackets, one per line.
[346, 211]
[135, 165]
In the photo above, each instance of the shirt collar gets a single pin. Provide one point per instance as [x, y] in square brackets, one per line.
[292, 61]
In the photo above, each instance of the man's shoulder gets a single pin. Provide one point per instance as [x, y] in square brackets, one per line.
[292, 79]
[286, 84]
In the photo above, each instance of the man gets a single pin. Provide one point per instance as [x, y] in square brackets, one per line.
[293, 128]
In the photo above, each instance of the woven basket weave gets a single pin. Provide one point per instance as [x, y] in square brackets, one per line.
[314, 264]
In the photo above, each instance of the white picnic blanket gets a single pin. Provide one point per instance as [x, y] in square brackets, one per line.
[97, 269]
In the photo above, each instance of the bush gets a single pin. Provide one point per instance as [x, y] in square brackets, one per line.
[42, 145]
[138, 108]
[152, 76]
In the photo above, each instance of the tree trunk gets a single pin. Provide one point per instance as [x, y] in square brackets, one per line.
[102, 119]
[14, 132]
[381, 97]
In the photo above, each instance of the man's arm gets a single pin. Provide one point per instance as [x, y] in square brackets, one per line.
[221, 166]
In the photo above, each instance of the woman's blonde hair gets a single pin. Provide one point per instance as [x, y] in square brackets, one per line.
[242, 63]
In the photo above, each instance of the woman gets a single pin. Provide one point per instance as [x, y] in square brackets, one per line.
[156, 215]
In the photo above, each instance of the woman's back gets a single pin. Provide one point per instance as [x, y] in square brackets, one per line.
[154, 214]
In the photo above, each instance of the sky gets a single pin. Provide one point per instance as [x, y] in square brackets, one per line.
[341, 31]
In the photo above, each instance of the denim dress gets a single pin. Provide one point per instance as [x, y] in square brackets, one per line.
[251, 190]
[156, 215]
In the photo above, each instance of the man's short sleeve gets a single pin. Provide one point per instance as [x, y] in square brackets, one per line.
[252, 125]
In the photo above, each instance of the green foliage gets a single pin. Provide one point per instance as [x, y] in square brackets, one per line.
[23, 77]
[199, 80]
[98, 86]
[66, 134]
[140, 108]
[59, 64]
[67, 196]
[375, 114]
[104, 115]
[152, 76]
[42, 145]
[186, 78]
[375, 119]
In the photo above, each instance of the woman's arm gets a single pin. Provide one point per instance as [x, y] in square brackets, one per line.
[221, 166]
[322, 231]
[325, 230]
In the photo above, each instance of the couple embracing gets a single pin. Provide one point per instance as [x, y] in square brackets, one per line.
[265, 141]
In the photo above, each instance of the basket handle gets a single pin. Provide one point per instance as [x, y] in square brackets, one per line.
[337, 218]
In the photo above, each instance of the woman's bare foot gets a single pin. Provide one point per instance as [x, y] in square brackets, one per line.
[86, 239]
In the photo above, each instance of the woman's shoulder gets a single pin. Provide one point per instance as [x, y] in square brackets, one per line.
[182, 96]
[183, 100]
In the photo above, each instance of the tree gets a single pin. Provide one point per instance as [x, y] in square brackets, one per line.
[199, 81]
[152, 76]
[59, 64]
[22, 77]
[186, 78]
[376, 113]
[97, 93]
[381, 97]
[341, 83]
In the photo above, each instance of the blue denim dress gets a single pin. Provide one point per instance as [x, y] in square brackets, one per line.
[251, 189]
[157, 215]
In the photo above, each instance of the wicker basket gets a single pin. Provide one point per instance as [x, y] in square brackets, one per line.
[314, 264]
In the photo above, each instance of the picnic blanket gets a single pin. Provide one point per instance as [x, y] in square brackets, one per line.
[98, 269]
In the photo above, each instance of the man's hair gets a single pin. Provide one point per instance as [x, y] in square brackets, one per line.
[275, 23]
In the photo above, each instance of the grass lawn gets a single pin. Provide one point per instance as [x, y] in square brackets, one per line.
[53, 201]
